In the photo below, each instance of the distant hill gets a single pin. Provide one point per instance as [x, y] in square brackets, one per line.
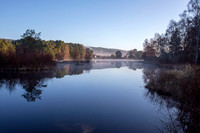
[8, 40]
[106, 51]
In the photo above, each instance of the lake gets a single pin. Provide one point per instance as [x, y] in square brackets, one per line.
[97, 97]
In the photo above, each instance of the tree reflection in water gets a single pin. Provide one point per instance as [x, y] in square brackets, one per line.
[177, 94]
[33, 82]
[175, 91]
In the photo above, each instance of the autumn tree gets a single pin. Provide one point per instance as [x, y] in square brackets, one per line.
[132, 54]
[149, 49]
[88, 54]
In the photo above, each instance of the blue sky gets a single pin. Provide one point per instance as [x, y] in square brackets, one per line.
[121, 24]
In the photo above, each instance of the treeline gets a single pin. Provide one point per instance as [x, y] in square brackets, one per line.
[134, 54]
[30, 52]
[180, 43]
[131, 54]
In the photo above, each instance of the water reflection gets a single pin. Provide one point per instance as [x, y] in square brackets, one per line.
[176, 98]
[33, 82]
[118, 64]
[76, 128]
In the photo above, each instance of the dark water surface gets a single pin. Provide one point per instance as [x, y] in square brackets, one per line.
[98, 97]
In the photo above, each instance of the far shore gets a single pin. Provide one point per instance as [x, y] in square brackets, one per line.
[71, 60]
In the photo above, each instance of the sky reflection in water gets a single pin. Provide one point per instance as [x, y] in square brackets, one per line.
[98, 97]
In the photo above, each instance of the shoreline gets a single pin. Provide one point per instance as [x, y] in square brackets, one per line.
[49, 67]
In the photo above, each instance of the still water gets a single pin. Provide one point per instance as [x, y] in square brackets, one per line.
[97, 97]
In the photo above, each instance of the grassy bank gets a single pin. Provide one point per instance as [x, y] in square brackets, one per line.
[180, 84]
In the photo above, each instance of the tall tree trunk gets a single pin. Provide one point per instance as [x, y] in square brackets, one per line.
[197, 50]
[197, 37]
